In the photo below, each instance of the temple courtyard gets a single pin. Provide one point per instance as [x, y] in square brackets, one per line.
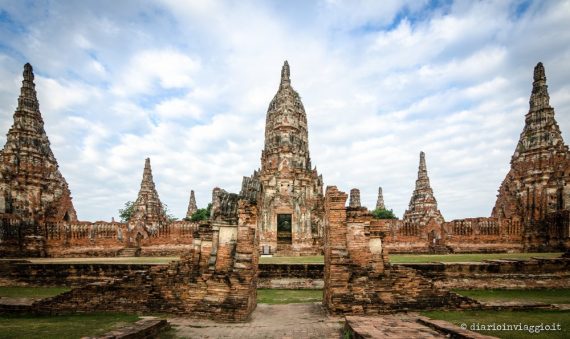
[294, 312]
[279, 248]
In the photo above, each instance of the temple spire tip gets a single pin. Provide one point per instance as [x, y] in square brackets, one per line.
[539, 73]
[28, 72]
[285, 73]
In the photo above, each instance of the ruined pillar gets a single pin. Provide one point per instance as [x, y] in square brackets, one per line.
[354, 198]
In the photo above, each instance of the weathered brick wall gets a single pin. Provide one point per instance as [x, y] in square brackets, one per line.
[24, 273]
[20, 238]
[81, 239]
[498, 274]
[358, 276]
[217, 279]
[291, 276]
[468, 235]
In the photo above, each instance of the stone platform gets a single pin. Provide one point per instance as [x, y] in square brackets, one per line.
[405, 326]
[267, 321]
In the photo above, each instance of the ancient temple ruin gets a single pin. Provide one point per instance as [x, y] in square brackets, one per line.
[32, 190]
[291, 204]
[536, 191]
[359, 278]
[37, 218]
[31, 185]
[148, 212]
[422, 216]
[214, 279]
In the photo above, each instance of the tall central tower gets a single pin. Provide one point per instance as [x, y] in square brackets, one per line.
[292, 192]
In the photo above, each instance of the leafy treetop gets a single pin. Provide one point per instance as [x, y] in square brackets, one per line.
[382, 213]
[126, 213]
[201, 214]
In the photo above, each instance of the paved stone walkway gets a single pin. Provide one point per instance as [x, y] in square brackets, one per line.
[267, 321]
[395, 326]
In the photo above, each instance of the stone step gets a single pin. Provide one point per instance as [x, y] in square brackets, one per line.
[129, 252]
[145, 328]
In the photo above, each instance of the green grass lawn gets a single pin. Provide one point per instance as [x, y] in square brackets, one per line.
[275, 296]
[31, 292]
[66, 326]
[309, 259]
[468, 257]
[314, 259]
[530, 318]
[417, 258]
[549, 296]
[109, 260]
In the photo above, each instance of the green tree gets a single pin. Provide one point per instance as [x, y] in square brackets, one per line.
[126, 213]
[201, 214]
[381, 213]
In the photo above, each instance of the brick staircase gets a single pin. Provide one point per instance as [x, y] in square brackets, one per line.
[439, 249]
[129, 252]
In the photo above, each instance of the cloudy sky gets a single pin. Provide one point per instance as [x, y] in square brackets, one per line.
[187, 83]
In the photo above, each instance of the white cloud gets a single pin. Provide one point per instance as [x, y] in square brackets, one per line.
[168, 68]
[56, 95]
[188, 83]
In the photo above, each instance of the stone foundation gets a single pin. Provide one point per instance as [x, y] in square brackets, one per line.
[498, 274]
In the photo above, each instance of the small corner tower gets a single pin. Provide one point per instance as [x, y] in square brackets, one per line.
[423, 205]
[148, 211]
[192, 208]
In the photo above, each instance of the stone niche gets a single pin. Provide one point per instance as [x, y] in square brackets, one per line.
[359, 278]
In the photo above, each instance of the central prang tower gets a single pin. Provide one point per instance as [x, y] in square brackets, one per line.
[292, 192]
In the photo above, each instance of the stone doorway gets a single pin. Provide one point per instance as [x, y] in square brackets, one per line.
[284, 235]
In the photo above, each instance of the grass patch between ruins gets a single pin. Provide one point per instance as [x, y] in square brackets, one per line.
[282, 296]
[311, 259]
[549, 296]
[308, 259]
[105, 260]
[465, 257]
[417, 258]
[529, 318]
[31, 292]
[63, 326]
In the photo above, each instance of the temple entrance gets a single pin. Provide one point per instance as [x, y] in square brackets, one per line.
[284, 235]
